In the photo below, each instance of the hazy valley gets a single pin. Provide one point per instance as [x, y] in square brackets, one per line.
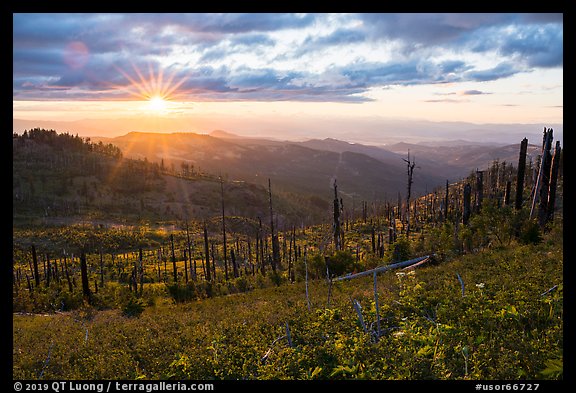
[363, 172]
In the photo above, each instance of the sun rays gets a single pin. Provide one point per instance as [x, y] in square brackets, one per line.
[154, 87]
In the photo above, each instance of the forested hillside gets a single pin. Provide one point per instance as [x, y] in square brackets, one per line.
[60, 179]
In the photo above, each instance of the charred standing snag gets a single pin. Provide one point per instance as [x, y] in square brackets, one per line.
[67, 275]
[446, 203]
[102, 266]
[140, 272]
[48, 270]
[84, 272]
[539, 172]
[189, 244]
[273, 234]
[206, 252]
[410, 170]
[175, 271]
[466, 208]
[233, 259]
[553, 181]
[35, 262]
[479, 190]
[507, 193]
[521, 172]
[336, 224]
[224, 231]
[545, 178]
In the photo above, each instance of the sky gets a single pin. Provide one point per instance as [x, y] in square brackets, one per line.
[370, 78]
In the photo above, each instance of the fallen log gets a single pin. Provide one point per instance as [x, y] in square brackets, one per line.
[381, 269]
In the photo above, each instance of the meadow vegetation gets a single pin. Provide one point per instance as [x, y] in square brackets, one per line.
[496, 313]
[225, 296]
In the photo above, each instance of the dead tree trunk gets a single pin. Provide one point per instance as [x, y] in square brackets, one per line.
[190, 252]
[67, 275]
[55, 267]
[164, 259]
[535, 195]
[35, 263]
[213, 247]
[48, 270]
[158, 264]
[101, 268]
[206, 252]
[84, 273]
[233, 260]
[373, 238]
[292, 272]
[224, 230]
[134, 277]
[140, 271]
[174, 269]
[29, 284]
[466, 208]
[479, 190]
[258, 262]
[545, 180]
[410, 170]
[507, 193]
[186, 266]
[273, 234]
[261, 251]
[336, 224]
[553, 181]
[446, 203]
[250, 257]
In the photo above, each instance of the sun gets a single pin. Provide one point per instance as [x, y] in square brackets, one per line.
[156, 89]
[157, 103]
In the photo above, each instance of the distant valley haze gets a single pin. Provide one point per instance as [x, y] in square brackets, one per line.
[378, 132]
[311, 166]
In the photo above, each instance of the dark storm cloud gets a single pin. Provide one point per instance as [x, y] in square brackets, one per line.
[135, 42]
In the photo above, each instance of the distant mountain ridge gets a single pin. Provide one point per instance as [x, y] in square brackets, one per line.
[363, 172]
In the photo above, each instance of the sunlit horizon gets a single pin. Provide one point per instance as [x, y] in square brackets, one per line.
[289, 76]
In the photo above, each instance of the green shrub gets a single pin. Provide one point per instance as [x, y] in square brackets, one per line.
[400, 250]
[133, 308]
[341, 262]
[530, 232]
[182, 293]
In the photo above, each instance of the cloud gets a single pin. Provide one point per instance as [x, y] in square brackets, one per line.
[252, 39]
[416, 29]
[502, 70]
[259, 56]
[338, 37]
[539, 46]
[449, 100]
[472, 93]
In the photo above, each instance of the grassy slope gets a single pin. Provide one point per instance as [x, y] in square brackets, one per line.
[503, 328]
